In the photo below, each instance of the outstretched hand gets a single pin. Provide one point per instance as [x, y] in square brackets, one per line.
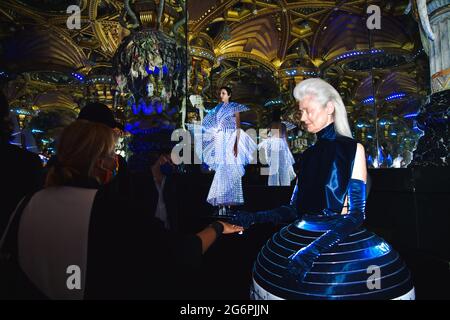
[243, 218]
[230, 228]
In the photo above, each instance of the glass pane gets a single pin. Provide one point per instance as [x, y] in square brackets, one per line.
[400, 77]
[373, 58]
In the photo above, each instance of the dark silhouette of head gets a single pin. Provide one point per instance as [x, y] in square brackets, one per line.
[5, 122]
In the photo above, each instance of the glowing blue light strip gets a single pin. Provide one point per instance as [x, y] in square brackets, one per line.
[272, 102]
[358, 53]
[395, 96]
[22, 111]
[294, 72]
[78, 76]
[392, 96]
[368, 100]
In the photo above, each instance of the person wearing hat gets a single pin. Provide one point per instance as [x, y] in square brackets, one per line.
[100, 113]
[149, 181]
[97, 112]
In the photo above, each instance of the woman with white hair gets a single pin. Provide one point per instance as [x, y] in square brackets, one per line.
[325, 254]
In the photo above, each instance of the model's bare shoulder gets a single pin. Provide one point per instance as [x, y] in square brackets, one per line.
[359, 167]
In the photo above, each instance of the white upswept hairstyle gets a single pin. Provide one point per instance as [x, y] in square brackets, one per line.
[323, 92]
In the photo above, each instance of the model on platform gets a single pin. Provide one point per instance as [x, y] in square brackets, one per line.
[324, 253]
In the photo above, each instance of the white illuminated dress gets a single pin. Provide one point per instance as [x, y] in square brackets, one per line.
[280, 161]
[218, 140]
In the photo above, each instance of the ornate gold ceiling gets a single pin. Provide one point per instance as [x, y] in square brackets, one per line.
[260, 47]
[294, 40]
[40, 53]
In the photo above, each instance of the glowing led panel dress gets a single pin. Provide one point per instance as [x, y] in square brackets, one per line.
[218, 140]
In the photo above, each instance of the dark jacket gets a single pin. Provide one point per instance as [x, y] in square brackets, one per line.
[21, 173]
[130, 254]
[145, 194]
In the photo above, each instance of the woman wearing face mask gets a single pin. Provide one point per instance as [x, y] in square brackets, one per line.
[79, 238]
[324, 253]
[226, 149]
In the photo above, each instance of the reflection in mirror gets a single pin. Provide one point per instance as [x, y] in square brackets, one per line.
[382, 76]
[399, 77]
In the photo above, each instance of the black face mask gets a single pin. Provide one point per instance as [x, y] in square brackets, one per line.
[166, 169]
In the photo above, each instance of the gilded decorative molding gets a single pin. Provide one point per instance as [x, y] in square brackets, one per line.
[247, 56]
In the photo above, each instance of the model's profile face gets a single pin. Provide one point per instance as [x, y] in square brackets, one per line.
[224, 97]
[314, 116]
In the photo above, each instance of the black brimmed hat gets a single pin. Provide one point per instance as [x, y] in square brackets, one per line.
[100, 113]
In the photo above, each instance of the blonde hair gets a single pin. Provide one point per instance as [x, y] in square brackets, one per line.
[81, 144]
[323, 92]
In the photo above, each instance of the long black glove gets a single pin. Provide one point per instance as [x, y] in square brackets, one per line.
[278, 215]
[281, 214]
[301, 262]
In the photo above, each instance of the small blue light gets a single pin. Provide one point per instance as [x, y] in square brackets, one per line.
[383, 247]
[159, 107]
[368, 100]
[78, 76]
[147, 109]
[394, 96]
[128, 127]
